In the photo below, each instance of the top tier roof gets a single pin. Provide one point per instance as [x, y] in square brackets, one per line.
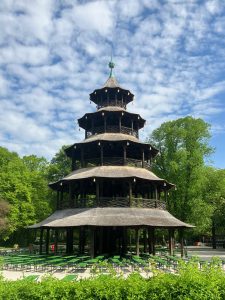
[111, 94]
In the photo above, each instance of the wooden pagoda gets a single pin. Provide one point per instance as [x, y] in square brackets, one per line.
[111, 194]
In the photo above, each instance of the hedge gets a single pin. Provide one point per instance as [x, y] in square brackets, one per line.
[189, 283]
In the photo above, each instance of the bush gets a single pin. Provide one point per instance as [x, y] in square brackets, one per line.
[191, 282]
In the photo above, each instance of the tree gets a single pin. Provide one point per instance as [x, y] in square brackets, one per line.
[60, 166]
[23, 184]
[184, 146]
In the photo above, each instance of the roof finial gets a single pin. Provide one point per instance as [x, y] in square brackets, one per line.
[111, 66]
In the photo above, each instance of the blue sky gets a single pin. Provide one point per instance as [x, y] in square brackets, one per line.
[170, 54]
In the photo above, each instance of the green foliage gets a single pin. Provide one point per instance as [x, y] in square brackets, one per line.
[60, 166]
[191, 283]
[23, 185]
[184, 147]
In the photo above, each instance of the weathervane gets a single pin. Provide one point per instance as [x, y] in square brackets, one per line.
[111, 66]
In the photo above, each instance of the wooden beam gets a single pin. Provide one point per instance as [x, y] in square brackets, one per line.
[137, 241]
[181, 233]
[92, 243]
[151, 240]
[171, 241]
[47, 241]
[41, 240]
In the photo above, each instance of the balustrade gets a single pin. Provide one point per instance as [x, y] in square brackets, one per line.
[112, 129]
[115, 161]
[119, 202]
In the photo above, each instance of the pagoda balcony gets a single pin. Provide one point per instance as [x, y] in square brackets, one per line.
[112, 129]
[116, 161]
[113, 102]
[117, 202]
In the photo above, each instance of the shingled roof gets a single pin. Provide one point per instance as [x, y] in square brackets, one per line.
[111, 216]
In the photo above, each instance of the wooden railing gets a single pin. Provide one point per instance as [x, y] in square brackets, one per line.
[113, 102]
[119, 202]
[112, 129]
[116, 161]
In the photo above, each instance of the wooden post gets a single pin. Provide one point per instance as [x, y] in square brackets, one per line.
[119, 123]
[97, 191]
[132, 127]
[69, 240]
[61, 198]
[105, 125]
[47, 241]
[137, 241]
[130, 193]
[92, 243]
[181, 242]
[145, 240]
[102, 155]
[92, 126]
[56, 241]
[151, 240]
[57, 201]
[124, 241]
[156, 192]
[82, 157]
[124, 155]
[171, 241]
[100, 240]
[71, 195]
[143, 159]
[41, 240]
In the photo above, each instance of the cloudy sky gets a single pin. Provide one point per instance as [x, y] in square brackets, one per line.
[170, 54]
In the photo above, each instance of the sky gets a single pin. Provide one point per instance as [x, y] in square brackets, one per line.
[53, 54]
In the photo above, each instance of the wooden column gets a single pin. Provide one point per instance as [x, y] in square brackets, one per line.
[137, 241]
[47, 241]
[92, 126]
[71, 195]
[61, 198]
[97, 191]
[119, 123]
[130, 193]
[56, 241]
[124, 155]
[102, 155]
[143, 159]
[57, 201]
[105, 124]
[100, 240]
[124, 241]
[181, 233]
[69, 240]
[81, 240]
[82, 157]
[145, 240]
[132, 126]
[151, 240]
[156, 192]
[92, 242]
[171, 241]
[41, 240]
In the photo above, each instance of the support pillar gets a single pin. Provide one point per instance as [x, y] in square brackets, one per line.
[102, 155]
[61, 198]
[137, 241]
[57, 201]
[151, 240]
[71, 195]
[143, 159]
[82, 157]
[171, 241]
[132, 127]
[119, 124]
[181, 233]
[92, 243]
[130, 193]
[41, 240]
[56, 241]
[124, 155]
[81, 240]
[69, 240]
[97, 192]
[145, 240]
[47, 241]
[105, 125]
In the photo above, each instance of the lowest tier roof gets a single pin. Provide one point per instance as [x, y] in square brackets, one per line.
[111, 216]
